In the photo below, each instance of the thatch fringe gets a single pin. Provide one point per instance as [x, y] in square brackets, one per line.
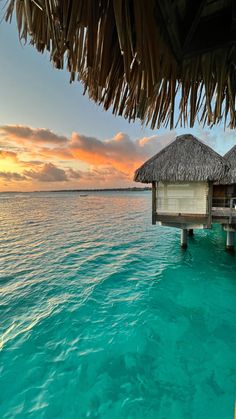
[118, 50]
[186, 159]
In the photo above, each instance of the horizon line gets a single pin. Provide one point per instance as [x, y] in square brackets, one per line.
[83, 190]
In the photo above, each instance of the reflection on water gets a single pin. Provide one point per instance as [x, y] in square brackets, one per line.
[103, 315]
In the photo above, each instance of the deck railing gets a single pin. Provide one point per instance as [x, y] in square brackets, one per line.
[174, 204]
[224, 207]
[225, 202]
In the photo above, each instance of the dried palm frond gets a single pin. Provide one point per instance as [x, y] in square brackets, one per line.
[119, 51]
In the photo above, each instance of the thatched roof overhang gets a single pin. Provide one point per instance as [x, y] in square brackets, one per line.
[184, 160]
[134, 56]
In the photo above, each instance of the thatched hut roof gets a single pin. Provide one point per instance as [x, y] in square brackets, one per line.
[134, 55]
[185, 159]
[230, 158]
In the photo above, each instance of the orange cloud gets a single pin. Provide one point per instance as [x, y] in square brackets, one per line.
[119, 152]
[44, 157]
[5, 154]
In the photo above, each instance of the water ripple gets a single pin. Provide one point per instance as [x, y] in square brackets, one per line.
[103, 316]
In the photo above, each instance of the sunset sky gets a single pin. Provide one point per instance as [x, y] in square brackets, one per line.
[52, 137]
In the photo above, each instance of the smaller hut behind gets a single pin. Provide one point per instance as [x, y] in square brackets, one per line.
[230, 157]
[224, 191]
[182, 176]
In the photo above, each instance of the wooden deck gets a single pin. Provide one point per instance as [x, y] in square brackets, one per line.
[223, 215]
[220, 215]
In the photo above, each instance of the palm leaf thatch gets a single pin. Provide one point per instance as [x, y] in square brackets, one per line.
[136, 56]
[186, 159]
[230, 158]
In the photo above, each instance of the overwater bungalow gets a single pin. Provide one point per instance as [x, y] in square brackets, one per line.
[183, 176]
[141, 57]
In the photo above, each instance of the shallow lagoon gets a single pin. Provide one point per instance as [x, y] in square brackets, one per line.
[104, 316]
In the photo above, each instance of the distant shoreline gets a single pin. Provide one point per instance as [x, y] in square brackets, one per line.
[134, 189]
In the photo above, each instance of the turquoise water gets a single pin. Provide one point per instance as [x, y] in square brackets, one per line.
[102, 315]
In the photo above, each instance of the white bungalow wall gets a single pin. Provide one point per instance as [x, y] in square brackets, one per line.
[182, 197]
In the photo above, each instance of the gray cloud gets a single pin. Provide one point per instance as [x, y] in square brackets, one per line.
[34, 135]
[48, 173]
[12, 176]
[74, 174]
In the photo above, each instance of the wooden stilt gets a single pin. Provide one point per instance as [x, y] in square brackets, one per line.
[184, 238]
[230, 240]
[154, 202]
[190, 232]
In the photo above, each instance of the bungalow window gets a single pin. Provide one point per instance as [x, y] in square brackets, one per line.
[181, 197]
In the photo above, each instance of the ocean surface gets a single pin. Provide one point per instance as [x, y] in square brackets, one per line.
[102, 315]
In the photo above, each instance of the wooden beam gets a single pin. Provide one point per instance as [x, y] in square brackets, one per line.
[192, 20]
[209, 203]
[186, 219]
[196, 226]
[211, 34]
[167, 15]
[233, 23]
[199, 49]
